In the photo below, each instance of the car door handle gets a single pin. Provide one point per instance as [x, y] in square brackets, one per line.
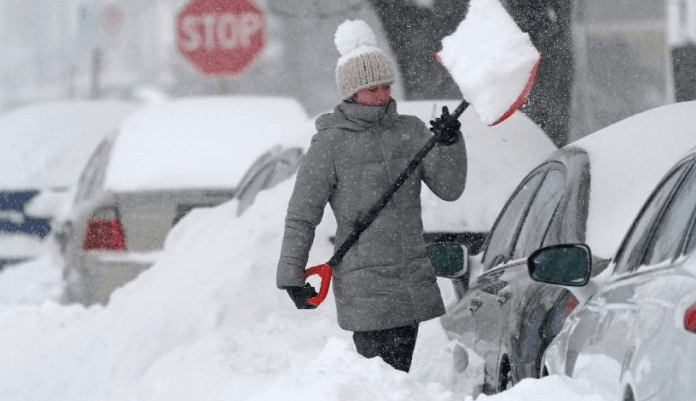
[504, 295]
[475, 304]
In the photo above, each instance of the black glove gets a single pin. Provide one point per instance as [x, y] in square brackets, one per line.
[446, 128]
[300, 295]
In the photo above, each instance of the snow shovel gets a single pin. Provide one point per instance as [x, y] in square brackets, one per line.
[494, 64]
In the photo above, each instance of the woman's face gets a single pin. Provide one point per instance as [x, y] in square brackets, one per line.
[374, 95]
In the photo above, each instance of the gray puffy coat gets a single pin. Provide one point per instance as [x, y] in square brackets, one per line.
[385, 280]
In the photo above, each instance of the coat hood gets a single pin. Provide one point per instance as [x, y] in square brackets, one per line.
[356, 117]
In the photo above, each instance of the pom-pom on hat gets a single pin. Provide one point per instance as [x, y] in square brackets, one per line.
[362, 63]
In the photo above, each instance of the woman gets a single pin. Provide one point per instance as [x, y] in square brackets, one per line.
[385, 285]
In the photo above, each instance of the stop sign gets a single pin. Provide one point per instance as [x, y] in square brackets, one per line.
[220, 37]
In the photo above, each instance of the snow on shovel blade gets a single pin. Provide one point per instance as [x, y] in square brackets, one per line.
[492, 61]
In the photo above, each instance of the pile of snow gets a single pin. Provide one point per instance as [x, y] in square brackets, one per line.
[207, 323]
[201, 141]
[47, 144]
[19, 245]
[629, 158]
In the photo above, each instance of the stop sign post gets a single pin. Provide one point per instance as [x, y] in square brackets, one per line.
[220, 38]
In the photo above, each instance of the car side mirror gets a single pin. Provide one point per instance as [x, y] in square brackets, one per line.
[566, 264]
[449, 259]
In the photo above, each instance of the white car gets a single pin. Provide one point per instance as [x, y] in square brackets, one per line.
[166, 160]
[633, 336]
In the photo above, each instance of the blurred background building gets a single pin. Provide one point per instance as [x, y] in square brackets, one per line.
[126, 49]
[607, 59]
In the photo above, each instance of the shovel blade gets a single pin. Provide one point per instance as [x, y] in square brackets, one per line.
[492, 61]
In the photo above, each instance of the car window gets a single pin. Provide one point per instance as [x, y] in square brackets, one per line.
[691, 238]
[504, 232]
[270, 169]
[631, 251]
[671, 228]
[539, 215]
[93, 173]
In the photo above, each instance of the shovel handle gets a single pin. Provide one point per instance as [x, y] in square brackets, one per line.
[460, 109]
[324, 272]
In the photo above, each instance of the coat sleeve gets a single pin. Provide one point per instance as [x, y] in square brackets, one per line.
[445, 169]
[315, 181]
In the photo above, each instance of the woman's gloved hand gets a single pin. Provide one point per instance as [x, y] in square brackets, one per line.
[446, 128]
[301, 294]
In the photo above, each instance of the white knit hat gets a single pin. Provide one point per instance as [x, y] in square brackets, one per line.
[362, 63]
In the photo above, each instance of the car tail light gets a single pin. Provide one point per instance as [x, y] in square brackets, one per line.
[571, 305]
[690, 319]
[104, 231]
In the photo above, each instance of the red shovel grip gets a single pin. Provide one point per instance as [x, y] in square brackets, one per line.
[325, 272]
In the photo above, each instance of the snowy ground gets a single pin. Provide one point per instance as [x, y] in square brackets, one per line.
[207, 323]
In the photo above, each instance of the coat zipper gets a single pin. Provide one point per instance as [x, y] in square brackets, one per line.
[390, 177]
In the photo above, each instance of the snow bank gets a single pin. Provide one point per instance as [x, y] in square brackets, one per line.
[207, 323]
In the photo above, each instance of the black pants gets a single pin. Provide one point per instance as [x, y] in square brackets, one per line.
[395, 346]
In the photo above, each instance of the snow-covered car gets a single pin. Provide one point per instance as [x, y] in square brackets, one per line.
[633, 336]
[166, 160]
[586, 192]
[44, 147]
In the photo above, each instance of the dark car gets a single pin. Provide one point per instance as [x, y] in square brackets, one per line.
[586, 192]
[634, 335]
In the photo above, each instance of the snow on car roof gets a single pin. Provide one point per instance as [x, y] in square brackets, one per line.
[497, 160]
[47, 144]
[201, 141]
[627, 160]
